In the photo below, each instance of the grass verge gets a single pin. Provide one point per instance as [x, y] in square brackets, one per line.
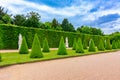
[16, 58]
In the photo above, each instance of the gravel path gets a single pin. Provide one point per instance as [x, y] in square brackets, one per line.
[93, 67]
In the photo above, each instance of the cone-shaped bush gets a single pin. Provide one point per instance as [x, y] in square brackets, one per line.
[114, 45]
[24, 47]
[92, 46]
[45, 46]
[36, 48]
[62, 49]
[74, 44]
[118, 44]
[84, 44]
[108, 45]
[101, 45]
[0, 58]
[79, 46]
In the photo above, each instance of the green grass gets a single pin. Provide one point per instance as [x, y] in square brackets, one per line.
[16, 58]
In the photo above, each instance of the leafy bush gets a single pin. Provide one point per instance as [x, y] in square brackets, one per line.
[108, 45]
[114, 45]
[0, 58]
[92, 46]
[74, 44]
[84, 44]
[119, 44]
[62, 49]
[24, 47]
[36, 48]
[101, 45]
[45, 46]
[79, 46]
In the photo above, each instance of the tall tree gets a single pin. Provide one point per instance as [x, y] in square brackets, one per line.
[33, 19]
[19, 20]
[54, 23]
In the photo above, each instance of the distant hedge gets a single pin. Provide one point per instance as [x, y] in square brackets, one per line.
[9, 36]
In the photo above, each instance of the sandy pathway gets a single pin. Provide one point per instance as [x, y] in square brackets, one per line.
[94, 67]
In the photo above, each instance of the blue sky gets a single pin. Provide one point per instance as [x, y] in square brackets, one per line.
[104, 14]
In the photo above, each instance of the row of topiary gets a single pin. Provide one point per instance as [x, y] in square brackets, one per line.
[78, 46]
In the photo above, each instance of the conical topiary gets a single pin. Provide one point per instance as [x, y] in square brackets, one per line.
[114, 45]
[101, 45]
[0, 58]
[24, 47]
[74, 44]
[79, 46]
[118, 44]
[45, 46]
[62, 49]
[36, 48]
[84, 44]
[108, 45]
[92, 46]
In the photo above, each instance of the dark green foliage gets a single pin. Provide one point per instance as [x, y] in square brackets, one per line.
[114, 45]
[92, 46]
[62, 49]
[84, 44]
[36, 48]
[74, 44]
[79, 46]
[118, 44]
[101, 45]
[24, 47]
[45, 46]
[0, 58]
[108, 45]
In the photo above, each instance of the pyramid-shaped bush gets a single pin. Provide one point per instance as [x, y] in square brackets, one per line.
[36, 48]
[62, 49]
[108, 45]
[45, 46]
[0, 58]
[84, 44]
[24, 47]
[79, 46]
[74, 44]
[114, 44]
[92, 46]
[101, 45]
[118, 44]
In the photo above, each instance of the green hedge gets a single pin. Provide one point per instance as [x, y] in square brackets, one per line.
[9, 36]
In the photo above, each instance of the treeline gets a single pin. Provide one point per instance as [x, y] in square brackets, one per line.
[32, 19]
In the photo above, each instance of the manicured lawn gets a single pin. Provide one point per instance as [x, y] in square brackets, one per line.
[15, 58]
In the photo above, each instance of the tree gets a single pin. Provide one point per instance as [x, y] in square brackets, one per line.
[45, 46]
[33, 19]
[79, 46]
[114, 45]
[6, 19]
[74, 44]
[108, 45]
[62, 48]
[24, 47]
[36, 48]
[19, 20]
[101, 45]
[66, 26]
[92, 47]
[2, 12]
[54, 23]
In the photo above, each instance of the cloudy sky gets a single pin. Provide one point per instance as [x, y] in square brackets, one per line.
[104, 14]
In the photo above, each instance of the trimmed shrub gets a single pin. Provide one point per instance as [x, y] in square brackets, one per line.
[36, 48]
[0, 58]
[101, 45]
[84, 44]
[62, 49]
[45, 46]
[108, 45]
[24, 47]
[92, 46]
[79, 46]
[74, 44]
[118, 44]
[114, 45]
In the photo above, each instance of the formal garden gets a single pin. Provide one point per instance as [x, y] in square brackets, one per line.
[66, 44]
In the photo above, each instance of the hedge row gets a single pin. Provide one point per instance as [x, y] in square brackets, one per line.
[9, 36]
